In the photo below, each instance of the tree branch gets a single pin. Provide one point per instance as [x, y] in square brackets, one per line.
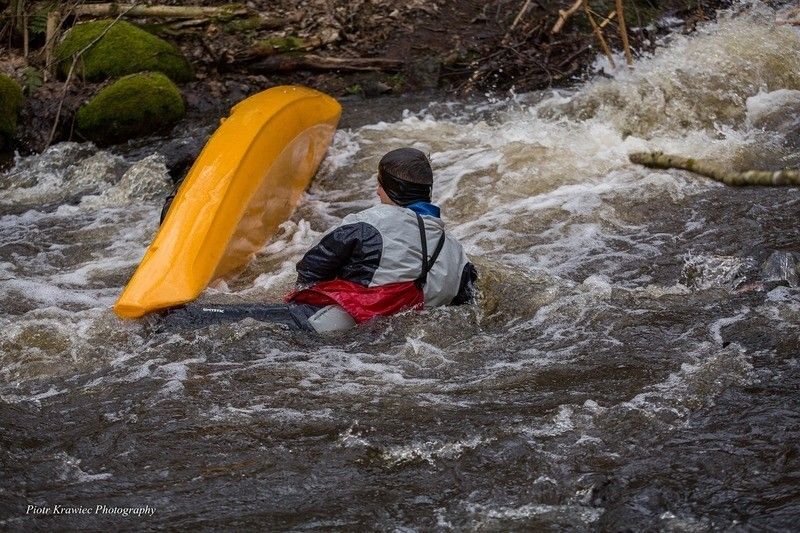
[282, 63]
[716, 171]
[159, 11]
[564, 14]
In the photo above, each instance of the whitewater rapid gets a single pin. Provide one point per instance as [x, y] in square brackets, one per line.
[631, 362]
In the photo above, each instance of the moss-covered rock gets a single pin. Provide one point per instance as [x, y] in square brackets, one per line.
[123, 49]
[10, 104]
[133, 106]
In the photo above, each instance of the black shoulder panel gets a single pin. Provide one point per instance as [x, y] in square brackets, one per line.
[351, 252]
[366, 257]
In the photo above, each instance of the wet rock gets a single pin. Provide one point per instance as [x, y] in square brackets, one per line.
[374, 88]
[133, 106]
[147, 179]
[123, 49]
[782, 266]
[10, 103]
[706, 271]
[777, 111]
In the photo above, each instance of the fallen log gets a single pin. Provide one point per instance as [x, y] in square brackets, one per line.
[113, 9]
[277, 45]
[716, 171]
[284, 63]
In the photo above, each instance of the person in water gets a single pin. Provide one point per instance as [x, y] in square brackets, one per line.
[386, 259]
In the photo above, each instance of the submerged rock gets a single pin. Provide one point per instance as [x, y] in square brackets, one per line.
[133, 106]
[782, 266]
[123, 49]
[10, 103]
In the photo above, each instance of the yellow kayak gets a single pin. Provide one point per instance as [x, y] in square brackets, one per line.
[245, 183]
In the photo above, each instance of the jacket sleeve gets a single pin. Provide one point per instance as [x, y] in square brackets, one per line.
[467, 289]
[325, 261]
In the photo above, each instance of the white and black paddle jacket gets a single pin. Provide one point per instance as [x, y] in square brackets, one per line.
[384, 245]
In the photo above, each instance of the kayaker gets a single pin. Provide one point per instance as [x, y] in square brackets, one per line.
[386, 259]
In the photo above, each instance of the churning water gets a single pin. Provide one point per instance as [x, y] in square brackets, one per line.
[632, 362]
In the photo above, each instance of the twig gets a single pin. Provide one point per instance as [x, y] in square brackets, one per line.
[573, 56]
[53, 23]
[65, 87]
[520, 14]
[66, 11]
[563, 15]
[608, 19]
[623, 32]
[25, 36]
[599, 34]
[507, 37]
[61, 102]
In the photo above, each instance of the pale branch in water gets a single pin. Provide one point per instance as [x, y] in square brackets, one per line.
[716, 171]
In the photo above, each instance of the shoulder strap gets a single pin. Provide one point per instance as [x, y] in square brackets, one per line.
[427, 264]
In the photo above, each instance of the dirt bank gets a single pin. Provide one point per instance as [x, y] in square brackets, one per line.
[458, 46]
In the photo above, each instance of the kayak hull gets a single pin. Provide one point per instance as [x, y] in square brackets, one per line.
[246, 182]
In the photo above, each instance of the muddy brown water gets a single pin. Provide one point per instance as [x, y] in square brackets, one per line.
[631, 364]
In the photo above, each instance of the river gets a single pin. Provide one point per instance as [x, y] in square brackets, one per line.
[632, 363]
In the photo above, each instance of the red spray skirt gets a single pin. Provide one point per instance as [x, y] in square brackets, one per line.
[362, 303]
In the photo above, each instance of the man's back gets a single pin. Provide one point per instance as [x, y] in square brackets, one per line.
[394, 254]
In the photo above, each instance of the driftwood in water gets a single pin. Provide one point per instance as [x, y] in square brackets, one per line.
[715, 170]
[113, 9]
[282, 63]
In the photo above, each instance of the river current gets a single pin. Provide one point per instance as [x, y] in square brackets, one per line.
[632, 362]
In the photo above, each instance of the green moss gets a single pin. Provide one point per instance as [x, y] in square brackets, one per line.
[10, 104]
[248, 24]
[133, 106]
[354, 89]
[123, 49]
